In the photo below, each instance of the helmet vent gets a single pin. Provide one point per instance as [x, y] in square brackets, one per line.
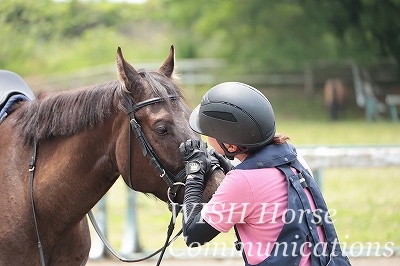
[220, 115]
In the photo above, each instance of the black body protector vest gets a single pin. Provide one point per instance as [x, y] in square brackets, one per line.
[303, 228]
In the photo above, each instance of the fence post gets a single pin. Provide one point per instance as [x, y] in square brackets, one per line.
[97, 249]
[308, 80]
[130, 240]
[318, 174]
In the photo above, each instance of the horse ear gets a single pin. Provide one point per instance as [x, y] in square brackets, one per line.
[168, 67]
[126, 72]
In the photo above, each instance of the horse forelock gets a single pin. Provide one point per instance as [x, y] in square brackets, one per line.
[155, 85]
[161, 85]
[65, 113]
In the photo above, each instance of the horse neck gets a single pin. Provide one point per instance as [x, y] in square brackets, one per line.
[73, 173]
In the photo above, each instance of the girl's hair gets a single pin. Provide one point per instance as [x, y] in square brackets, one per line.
[277, 139]
[280, 139]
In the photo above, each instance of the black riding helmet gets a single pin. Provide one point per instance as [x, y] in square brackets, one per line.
[235, 113]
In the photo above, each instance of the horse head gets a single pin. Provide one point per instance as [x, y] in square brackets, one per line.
[158, 123]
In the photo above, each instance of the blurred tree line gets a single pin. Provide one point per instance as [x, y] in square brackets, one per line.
[255, 36]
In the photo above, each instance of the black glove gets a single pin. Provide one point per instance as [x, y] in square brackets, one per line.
[197, 164]
[214, 163]
[223, 162]
[196, 158]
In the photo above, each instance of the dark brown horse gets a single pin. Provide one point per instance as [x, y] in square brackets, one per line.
[334, 97]
[83, 147]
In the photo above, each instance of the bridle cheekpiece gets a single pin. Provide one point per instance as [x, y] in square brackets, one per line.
[174, 182]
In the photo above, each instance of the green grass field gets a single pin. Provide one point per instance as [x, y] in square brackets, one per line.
[367, 200]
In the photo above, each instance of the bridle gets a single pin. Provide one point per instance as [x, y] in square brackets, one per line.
[174, 182]
[147, 149]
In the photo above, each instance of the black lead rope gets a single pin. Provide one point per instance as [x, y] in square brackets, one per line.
[171, 227]
[32, 165]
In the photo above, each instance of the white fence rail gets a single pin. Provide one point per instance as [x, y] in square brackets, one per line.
[363, 156]
[321, 157]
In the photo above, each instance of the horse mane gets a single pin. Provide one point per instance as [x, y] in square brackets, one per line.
[68, 112]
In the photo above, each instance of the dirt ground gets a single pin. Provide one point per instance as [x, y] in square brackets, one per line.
[358, 261]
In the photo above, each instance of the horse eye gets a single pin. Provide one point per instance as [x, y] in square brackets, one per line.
[161, 130]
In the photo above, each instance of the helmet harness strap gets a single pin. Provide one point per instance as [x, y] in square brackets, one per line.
[231, 155]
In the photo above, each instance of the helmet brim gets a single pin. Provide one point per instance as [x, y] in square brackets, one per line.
[194, 120]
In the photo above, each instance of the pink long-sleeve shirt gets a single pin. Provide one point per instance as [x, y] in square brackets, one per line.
[256, 202]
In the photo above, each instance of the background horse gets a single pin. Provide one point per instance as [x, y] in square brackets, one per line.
[84, 143]
[334, 96]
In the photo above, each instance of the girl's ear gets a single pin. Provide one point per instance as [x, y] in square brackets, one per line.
[231, 148]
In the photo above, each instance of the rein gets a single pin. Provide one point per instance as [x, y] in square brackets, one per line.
[118, 256]
[32, 166]
[174, 183]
